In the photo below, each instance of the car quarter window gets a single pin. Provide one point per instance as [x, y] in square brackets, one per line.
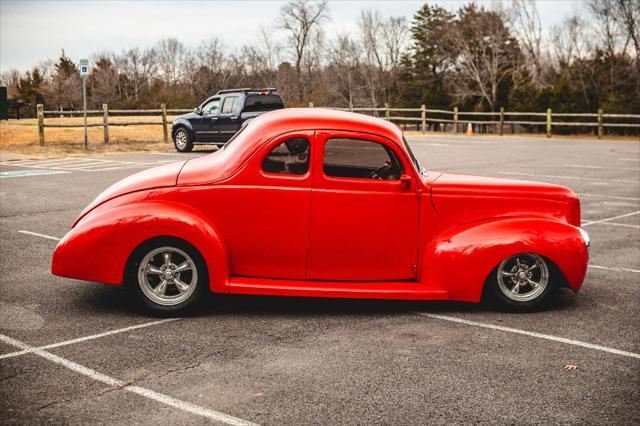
[230, 104]
[288, 157]
[358, 158]
[212, 107]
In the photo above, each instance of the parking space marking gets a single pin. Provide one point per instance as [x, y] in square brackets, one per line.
[119, 384]
[629, 159]
[86, 338]
[615, 268]
[609, 219]
[25, 173]
[613, 197]
[569, 177]
[35, 234]
[80, 164]
[533, 334]
[584, 166]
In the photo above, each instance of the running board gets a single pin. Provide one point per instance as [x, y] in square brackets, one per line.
[398, 290]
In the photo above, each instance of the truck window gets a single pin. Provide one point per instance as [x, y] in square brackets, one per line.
[230, 105]
[262, 103]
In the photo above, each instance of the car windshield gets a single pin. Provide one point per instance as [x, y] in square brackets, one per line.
[415, 161]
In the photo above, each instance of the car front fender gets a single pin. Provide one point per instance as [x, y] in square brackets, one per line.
[99, 246]
[461, 259]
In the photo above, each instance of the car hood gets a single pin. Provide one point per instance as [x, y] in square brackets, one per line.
[187, 116]
[464, 198]
[156, 177]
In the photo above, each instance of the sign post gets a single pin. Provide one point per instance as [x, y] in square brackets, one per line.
[84, 72]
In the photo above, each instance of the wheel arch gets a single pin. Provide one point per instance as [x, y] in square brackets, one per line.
[111, 235]
[182, 124]
[462, 258]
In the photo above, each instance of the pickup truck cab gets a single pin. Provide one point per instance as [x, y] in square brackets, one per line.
[219, 117]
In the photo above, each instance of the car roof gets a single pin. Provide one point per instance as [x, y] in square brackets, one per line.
[291, 119]
[221, 164]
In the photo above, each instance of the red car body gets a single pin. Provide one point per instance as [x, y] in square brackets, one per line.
[426, 236]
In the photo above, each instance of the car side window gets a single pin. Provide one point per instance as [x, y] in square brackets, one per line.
[358, 158]
[211, 107]
[288, 157]
[230, 104]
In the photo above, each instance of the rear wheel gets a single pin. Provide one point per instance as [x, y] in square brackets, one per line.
[522, 282]
[182, 140]
[170, 276]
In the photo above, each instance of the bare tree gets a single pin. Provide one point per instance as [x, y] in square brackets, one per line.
[300, 18]
[487, 54]
[171, 55]
[528, 27]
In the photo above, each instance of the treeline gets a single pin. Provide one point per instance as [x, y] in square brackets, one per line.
[476, 58]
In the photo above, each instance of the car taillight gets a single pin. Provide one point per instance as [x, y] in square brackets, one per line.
[263, 93]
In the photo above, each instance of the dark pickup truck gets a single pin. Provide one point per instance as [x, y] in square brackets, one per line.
[218, 118]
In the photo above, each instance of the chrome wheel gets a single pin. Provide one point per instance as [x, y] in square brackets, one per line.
[167, 276]
[181, 139]
[523, 277]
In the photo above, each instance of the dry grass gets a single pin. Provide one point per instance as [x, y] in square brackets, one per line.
[21, 137]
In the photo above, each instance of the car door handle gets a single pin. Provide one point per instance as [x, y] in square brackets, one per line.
[233, 117]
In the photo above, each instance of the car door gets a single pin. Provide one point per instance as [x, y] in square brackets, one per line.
[229, 118]
[205, 125]
[362, 228]
[264, 215]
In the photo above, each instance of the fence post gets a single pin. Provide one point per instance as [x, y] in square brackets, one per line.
[165, 129]
[600, 123]
[455, 119]
[423, 117]
[386, 111]
[501, 120]
[40, 109]
[310, 104]
[105, 123]
[548, 122]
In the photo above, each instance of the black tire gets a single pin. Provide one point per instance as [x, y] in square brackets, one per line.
[195, 275]
[182, 140]
[514, 293]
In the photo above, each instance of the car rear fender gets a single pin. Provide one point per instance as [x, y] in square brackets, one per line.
[461, 259]
[98, 248]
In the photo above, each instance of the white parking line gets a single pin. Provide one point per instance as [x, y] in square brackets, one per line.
[629, 159]
[86, 338]
[48, 237]
[119, 384]
[585, 166]
[613, 197]
[569, 177]
[615, 268]
[533, 334]
[609, 219]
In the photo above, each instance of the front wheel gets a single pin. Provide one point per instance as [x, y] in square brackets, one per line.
[182, 140]
[170, 277]
[521, 282]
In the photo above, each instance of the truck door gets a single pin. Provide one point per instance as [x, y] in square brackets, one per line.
[229, 118]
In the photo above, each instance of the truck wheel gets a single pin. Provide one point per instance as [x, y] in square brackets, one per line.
[182, 140]
[522, 282]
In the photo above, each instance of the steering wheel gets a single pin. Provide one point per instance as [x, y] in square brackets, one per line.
[377, 173]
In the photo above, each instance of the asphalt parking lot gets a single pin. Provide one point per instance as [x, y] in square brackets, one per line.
[77, 352]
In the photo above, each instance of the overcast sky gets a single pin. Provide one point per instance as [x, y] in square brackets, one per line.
[34, 31]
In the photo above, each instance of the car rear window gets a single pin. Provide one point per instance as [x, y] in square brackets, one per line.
[262, 103]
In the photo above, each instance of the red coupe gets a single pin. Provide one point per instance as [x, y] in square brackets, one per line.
[314, 202]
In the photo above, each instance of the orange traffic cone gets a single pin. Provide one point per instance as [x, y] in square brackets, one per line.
[469, 130]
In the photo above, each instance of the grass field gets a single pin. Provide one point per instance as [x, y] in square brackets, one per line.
[21, 136]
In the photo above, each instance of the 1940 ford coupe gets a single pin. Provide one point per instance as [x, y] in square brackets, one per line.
[313, 202]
